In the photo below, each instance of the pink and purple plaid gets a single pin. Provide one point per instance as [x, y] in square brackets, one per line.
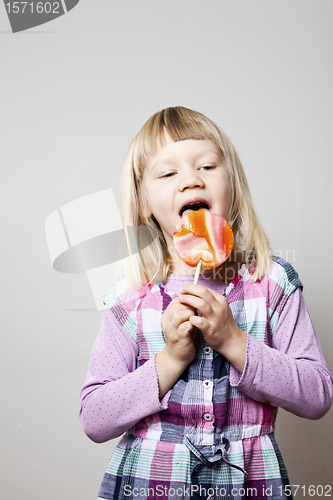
[211, 432]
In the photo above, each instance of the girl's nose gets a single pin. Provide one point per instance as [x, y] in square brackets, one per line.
[190, 180]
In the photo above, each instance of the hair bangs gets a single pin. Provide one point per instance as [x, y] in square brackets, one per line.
[181, 124]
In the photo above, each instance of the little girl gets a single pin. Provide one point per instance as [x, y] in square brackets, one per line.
[194, 374]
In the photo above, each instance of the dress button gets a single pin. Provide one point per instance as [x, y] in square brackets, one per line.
[207, 349]
[207, 383]
[208, 417]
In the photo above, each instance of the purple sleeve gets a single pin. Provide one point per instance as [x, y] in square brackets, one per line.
[293, 374]
[116, 395]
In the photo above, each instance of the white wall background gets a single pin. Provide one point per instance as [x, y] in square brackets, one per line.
[73, 94]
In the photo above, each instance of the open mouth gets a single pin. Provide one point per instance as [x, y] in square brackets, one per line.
[192, 207]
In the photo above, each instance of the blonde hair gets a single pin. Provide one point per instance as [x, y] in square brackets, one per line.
[152, 263]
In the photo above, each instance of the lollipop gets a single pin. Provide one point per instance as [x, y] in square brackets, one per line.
[203, 239]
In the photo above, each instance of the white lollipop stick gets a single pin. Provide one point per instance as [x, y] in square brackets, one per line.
[197, 272]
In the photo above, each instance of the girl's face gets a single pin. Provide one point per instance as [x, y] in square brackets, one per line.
[182, 176]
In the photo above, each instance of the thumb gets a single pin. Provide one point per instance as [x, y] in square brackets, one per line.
[186, 328]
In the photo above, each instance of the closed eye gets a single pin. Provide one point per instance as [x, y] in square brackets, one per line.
[166, 176]
[207, 167]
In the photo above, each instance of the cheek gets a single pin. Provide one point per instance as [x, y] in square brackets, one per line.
[155, 196]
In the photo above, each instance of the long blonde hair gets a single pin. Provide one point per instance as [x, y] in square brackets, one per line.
[152, 263]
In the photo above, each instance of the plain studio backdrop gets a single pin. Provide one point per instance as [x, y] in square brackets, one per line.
[73, 94]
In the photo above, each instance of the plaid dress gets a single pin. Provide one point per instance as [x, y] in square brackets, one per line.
[212, 442]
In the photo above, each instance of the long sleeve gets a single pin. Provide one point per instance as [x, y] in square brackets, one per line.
[293, 374]
[116, 395]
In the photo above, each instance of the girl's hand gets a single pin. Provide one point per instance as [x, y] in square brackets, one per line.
[217, 323]
[179, 348]
[179, 332]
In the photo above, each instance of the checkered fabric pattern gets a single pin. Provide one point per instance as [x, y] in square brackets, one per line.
[211, 432]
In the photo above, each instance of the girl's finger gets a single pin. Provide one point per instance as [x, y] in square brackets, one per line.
[179, 317]
[201, 291]
[198, 321]
[174, 306]
[185, 328]
[197, 290]
[203, 306]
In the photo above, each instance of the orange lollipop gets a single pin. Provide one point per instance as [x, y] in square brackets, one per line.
[203, 238]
